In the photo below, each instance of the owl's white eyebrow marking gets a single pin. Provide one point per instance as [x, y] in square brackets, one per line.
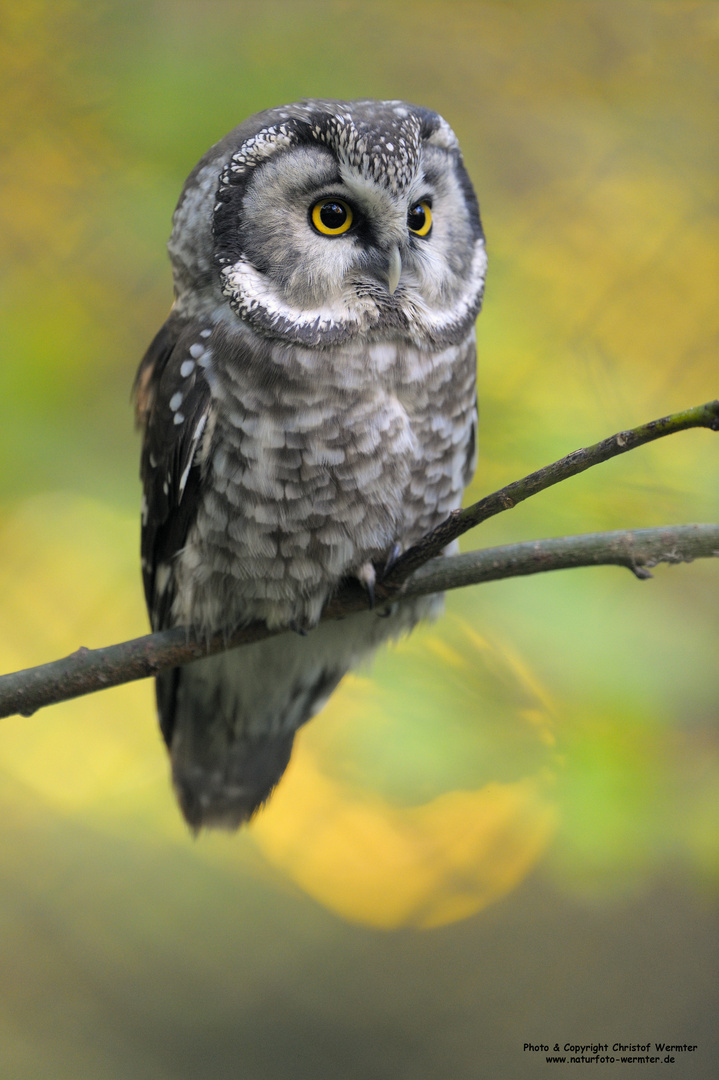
[175, 402]
[186, 368]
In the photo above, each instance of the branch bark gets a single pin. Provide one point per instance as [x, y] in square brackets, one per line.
[413, 574]
[88, 670]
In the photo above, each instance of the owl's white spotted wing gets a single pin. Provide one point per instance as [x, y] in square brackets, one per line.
[173, 403]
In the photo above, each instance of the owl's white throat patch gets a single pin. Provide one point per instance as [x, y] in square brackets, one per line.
[252, 295]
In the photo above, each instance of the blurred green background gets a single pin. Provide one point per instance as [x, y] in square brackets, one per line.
[506, 831]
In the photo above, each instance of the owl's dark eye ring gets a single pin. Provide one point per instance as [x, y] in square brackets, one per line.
[331, 217]
[419, 218]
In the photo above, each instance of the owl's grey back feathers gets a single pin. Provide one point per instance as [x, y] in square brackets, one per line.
[305, 413]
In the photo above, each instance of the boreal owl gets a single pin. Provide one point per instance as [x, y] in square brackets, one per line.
[309, 411]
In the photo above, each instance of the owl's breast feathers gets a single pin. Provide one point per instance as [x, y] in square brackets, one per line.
[271, 472]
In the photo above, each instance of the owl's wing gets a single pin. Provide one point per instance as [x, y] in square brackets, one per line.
[173, 406]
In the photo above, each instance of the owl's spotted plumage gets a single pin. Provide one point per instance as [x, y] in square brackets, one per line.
[308, 409]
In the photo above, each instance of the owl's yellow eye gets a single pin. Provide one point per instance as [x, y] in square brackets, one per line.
[419, 218]
[331, 217]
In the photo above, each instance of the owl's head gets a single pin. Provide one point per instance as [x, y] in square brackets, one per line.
[322, 220]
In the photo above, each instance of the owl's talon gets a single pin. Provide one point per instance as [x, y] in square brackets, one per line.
[367, 576]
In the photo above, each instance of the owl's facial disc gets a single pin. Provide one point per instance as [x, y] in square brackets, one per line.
[320, 247]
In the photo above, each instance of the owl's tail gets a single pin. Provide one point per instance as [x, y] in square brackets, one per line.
[229, 723]
[229, 720]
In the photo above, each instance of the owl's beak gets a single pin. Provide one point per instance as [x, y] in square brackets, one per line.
[394, 269]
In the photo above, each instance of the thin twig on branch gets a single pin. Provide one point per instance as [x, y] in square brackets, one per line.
[89, 670]
[461, 521]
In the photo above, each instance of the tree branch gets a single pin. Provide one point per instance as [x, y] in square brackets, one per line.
[88, 670]
[461, 521]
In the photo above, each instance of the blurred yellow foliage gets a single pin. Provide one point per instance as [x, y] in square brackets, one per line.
[388, 866]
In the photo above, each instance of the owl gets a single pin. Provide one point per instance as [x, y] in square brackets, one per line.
[308, 412]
